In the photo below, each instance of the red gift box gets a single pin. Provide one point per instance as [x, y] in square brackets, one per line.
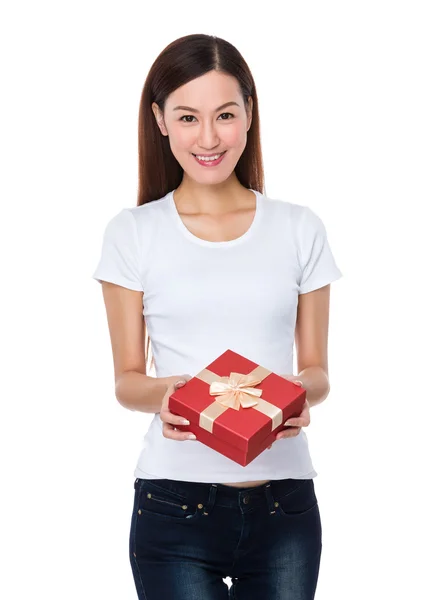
[236, 406]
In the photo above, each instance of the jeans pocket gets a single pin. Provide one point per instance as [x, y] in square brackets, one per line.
[156, 501]
[297, 502]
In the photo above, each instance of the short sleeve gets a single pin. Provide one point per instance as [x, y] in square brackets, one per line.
[120, 254]
[318, 266]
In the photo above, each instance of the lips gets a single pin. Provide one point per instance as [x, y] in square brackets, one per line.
[210, 163]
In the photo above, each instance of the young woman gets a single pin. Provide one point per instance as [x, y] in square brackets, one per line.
[206, 261]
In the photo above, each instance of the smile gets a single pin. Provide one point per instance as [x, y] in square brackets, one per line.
[209, 161]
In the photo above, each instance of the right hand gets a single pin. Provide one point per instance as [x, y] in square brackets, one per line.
[169, 420]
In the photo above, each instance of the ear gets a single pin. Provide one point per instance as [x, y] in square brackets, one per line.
[249, 112]
[159, 118]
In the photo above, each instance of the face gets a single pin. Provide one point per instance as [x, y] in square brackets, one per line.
[202, 127]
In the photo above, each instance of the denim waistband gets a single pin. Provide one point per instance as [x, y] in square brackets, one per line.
[218, 494]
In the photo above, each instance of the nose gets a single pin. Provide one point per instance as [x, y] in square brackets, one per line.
[208, 138]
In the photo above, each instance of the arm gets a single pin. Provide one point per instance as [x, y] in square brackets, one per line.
[134, 389]
[311, 340]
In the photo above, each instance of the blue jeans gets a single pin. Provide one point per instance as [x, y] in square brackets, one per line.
[185, 538]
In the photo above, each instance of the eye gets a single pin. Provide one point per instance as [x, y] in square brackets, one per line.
[191, 116]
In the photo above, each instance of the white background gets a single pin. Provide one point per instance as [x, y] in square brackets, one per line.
[339, 91]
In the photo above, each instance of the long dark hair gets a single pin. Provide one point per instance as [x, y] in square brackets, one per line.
[182, 61]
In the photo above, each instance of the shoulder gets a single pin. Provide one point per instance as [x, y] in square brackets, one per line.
[150, 218]
[150, 210]
[137, 219]
[297, 215]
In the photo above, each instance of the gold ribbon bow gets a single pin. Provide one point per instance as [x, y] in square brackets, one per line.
[236, 390]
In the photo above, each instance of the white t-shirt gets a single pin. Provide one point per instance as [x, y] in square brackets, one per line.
[202, 297]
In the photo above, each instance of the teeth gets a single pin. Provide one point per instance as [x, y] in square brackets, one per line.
[209, 158]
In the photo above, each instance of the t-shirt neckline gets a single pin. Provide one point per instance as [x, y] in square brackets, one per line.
[242, 238]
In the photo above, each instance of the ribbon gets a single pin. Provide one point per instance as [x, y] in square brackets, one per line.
[235, 391]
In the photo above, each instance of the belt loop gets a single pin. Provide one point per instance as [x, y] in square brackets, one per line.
[138, 483]
[269, 498]
[211, 499]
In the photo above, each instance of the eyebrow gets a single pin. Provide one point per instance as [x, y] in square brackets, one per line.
[196, 111]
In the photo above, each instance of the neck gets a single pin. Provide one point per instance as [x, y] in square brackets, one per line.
[219, 198]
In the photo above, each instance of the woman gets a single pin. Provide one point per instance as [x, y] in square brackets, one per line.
[205, 262]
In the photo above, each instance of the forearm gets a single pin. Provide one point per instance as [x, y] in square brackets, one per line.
[136, 391]
[316, 383]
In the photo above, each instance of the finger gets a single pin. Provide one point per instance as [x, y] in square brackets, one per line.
[175, 386]
[288, 433]
[292, 423]
[302, 421]
[178, 384]
[292, 379]
[296, 422]
[183, 380]
[168, 417]
[169, 432]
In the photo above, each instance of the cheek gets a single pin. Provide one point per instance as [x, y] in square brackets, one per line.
[235, 136]
[181, 139]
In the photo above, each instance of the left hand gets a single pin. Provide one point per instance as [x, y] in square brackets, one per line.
[295, 423]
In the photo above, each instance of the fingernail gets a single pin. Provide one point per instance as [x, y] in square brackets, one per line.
[287, 423]
[191, 436]
[298, 382]
[185, 422]
[179, 383]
